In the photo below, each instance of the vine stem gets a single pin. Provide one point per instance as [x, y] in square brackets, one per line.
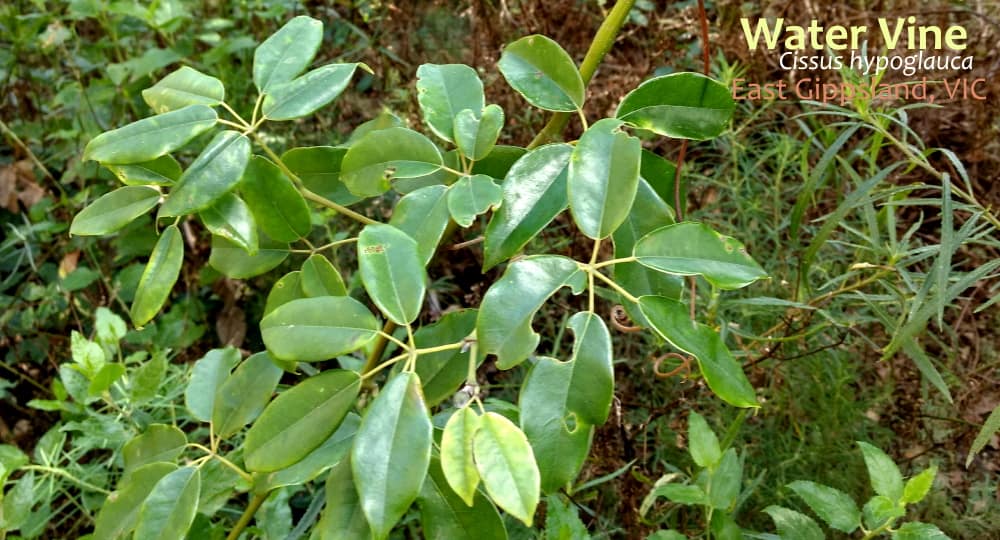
[244, 520]
[379, 348]
[591, 272]
[599, 47]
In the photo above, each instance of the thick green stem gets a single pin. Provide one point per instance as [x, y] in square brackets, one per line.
[244, 520]
[599, 47]
[379, 349]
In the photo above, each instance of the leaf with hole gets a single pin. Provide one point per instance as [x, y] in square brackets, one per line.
[388, 154]
[315, 329]
[471, 196]
[476, 134]
[444, 90]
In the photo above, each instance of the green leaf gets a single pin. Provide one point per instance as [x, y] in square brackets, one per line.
[208, 374]
[661, 175]
[286, 289]
[541, 71]
[391, 453]
[145, 381]
[234, 261]
[507, 466]
[443, 372]
[160, 442]
[679, 105]
[162, 171]
[885, 477]
[722, 372]
[603, 177]
[343, 517]
[320, 278]
[383, 155]
[457, 463]
[471, 196]
[115, 210]
[915, 530]
[702, 442]
[150, 138]
[159, 276]
[445, 516]
[119, 512]
[299, 420]
[392, 272]
[592, 384]
[423, 215]
[17, 502]
[534, 192]
[287, 52]
[991, 426]
[183, 87]
[681, 493]
[833, 506]
[475, 134]
[919, 486]
[666, 535]
[793, 525]
[562, 521]
[105, 377]
[880, 510]
[445, 90]
[275, 202]
[724, 527]
[214, 173]
[308, 93]
[332, 451]
[318, 167]
[499, 161]
[383, 120]
[244, 394]
[169, 510]
[314, 329]
[559, 440]
[230, 218]
[504, 324]
[690, 249]
[725, 481]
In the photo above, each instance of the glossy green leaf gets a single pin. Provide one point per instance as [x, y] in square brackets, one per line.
[383, 120]
[702, 442]
[320, 278]
[722, 372]
[471, 196]
[498, 162]
[392, 272]
[119, 513]
[504, 324]
[592, 384]
[208, 374]
[307, 94]
[443, 372]
[286, 289]
[679, 105]
[159, 276]
[114, 210]
[299, 420]
[559, 440]
[332, 451]
[423, 215]
[602, 178]
[794, 525]
[444, 90]
[457, 463]
[230, 218]
[162, 171]
[169, 510]
[234, 261]
[445, 516]
[691, 248]
[833, 506]
[314, 329]
[277, 205]
[318, 167]
[725, 481]
[882, 471]
[541, 71]
[383, 155]
[343, 517]
[287, 52]
[475, 133]
[507, 466]
[661, 175]
[150, 138]
[160, 442]
[919, 486]
[184, 86]
[214, 173]
[880, 510]
[534, 192]
[244, 394]
[391, 453]
[915, 530]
